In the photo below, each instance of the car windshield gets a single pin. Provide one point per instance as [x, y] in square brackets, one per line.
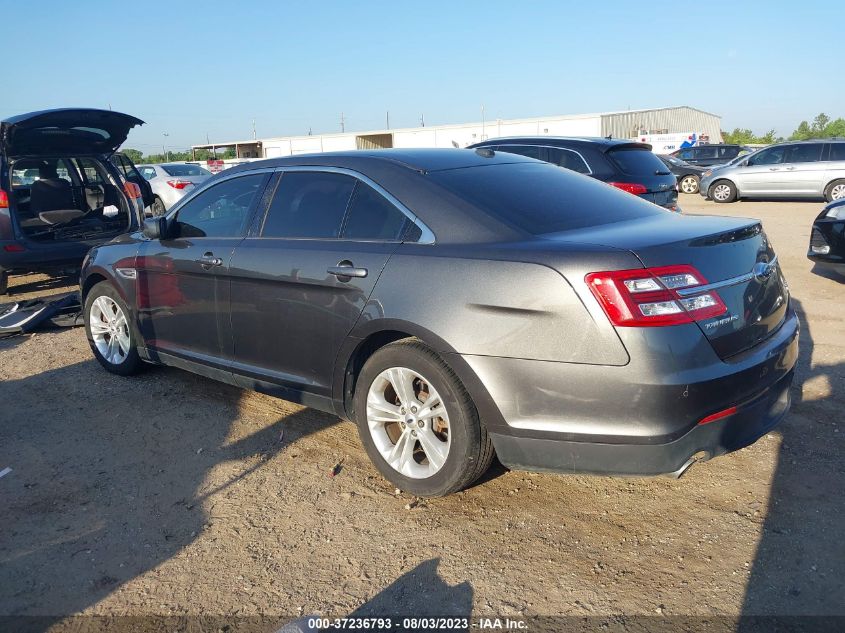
[185, 170]
[541, 198]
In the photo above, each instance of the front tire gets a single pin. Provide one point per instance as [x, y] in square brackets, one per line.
[417, 422]
[835, 191]
[688, 184]
[110, 330]
[723, 191]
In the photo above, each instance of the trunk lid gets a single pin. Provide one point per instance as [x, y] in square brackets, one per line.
[638, 165]
[734, 256]
[66, 131]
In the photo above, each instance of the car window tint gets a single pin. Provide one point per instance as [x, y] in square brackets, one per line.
[308, 204]
[687, 154]
[771, 156]
[148, 172]
[636, 162]
[804, 153]
[523, 150]
[540, 198]
[90, 171]
[837, 151]
[220, 211]
[373, 217]
[185, 170]
[568, 159]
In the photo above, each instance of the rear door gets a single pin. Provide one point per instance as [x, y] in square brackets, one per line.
[183, 280]
[291, 304]
[131, 173]
[803, 169]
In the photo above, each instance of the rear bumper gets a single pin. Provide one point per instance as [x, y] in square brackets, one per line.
[752, 420]
[635, 420]
[43, 258]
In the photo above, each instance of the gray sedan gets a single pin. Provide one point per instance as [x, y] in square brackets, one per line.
[457, 302]
[171, 182]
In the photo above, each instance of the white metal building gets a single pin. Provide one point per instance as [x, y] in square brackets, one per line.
[623, 124]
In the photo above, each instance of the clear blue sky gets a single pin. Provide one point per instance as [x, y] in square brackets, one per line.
[206, 67]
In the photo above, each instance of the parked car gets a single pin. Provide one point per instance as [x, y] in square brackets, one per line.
[456, 302]
[626, 165]
[706, 155]
[59, 192]
[827, 240]
[171, 182]
[798, 169]
[688, 175]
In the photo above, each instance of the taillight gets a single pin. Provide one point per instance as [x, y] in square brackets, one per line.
[717, 416]
[646, 297]
[179, 184]
[4, 200]
[14, 247]
[131, 190]
[631, 187]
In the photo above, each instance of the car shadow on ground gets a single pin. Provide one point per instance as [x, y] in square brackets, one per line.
[46, 284]
[799, 568]
[106, 488]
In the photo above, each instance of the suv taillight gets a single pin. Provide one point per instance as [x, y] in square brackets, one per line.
[646, 297]
[4, 200]
[179, 184]
[630, 187]
[132, 191]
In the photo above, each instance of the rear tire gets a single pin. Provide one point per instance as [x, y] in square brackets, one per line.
[111, 330]
[722, 191]
[448, 428]
[688, 184]
[157, 207]
[835, 191]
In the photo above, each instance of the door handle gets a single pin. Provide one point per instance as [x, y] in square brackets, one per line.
[347, 270]
[774, 168]
[208, 260]
[790, 169]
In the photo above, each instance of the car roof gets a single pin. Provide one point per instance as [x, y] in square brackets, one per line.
[601, 143]
[421, 160]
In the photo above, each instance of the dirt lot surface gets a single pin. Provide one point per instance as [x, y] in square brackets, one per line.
[171, 494]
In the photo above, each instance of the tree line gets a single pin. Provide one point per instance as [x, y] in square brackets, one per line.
[821, 127]
[202, 155]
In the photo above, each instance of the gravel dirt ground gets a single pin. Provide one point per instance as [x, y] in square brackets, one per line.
[171, 494]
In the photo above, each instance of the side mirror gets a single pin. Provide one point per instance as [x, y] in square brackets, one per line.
[155, 228]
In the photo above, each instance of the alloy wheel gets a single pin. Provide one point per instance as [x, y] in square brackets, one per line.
[689, 185]
[109, 330]
[408, 422]
[721, 192]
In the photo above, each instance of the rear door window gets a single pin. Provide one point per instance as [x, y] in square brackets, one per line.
[567, 159]
[308, 205]
[529, 151]
[637, 162]
[148, 172]
[373, 217]
[837, 151]
[804, 153]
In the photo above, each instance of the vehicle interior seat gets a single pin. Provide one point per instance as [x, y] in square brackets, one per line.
[51, 201]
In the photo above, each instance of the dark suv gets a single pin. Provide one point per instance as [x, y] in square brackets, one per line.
[63, 189]
[705, 155]
[627, 165]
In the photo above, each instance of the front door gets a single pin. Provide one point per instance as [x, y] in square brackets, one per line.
[762, 173]
[300, 285]
[183, 280]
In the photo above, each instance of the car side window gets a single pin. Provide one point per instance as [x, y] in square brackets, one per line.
[148, 173]
[523, 150]
[687, 154]
[308, 204]
[568, 159]
[371, 216]
[837, 151]
[771, 156]
[220, 211]
[804, 153]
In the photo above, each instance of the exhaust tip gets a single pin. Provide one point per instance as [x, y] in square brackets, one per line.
[700, 456]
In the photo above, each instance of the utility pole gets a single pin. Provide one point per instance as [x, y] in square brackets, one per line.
[483, 135]
[342, 123]
[253, 130]
[163, 148]
[388, 119]
[422, 120]
[309, 131]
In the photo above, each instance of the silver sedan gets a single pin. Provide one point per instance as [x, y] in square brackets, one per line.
[171, 182]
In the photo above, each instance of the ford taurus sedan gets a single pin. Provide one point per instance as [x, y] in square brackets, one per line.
[456, 303]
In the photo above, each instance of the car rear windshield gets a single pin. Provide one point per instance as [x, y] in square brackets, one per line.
[541, 198]
[185, 170]
[636, 161]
